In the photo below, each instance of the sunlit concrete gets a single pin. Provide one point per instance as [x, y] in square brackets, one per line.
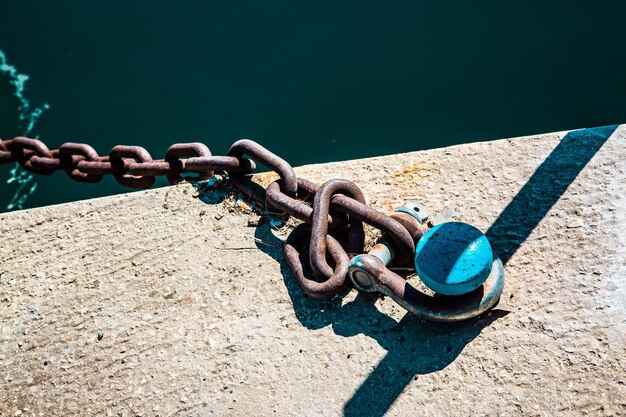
[198, 314]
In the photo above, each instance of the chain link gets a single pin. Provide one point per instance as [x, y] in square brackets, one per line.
[333, 214]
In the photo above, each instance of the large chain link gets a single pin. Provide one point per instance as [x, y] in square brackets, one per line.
[333, 213]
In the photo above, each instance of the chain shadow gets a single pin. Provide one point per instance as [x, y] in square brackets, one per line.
[414, 346]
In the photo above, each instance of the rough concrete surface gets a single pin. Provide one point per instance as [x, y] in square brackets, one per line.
[199, 315]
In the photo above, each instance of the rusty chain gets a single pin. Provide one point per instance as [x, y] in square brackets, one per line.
[333, 213]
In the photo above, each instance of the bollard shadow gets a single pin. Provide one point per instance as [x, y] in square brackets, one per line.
[544, 188]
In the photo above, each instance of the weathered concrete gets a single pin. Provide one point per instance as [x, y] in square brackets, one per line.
[200, 315]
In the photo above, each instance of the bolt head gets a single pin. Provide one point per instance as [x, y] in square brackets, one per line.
[360, 277]
[415, 210]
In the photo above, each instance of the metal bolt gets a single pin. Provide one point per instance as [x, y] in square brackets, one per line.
[416, 210]
[382, 250]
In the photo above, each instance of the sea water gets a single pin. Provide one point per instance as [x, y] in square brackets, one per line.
[313, 81]
[17, 118]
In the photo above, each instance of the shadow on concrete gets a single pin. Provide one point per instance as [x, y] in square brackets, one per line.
[416, 347]
[544, 188]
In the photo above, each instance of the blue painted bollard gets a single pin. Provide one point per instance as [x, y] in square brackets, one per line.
[453, 258]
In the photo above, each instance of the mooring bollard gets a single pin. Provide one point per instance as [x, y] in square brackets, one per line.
[454, 260]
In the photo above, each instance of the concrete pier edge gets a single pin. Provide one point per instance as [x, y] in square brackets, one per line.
[170, 302]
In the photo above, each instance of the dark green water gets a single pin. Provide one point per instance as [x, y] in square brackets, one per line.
[313, 81]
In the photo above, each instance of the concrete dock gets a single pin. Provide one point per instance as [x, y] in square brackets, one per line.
[171, 302]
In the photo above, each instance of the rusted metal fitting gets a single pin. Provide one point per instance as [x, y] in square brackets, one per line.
[33, 155]
[479, 290]
[5, 153]
[179, 150]
[120, 156]
[369, 274]
[269, 159]
[301, 208]
[67, 153]
[319, 225]
[318, 287]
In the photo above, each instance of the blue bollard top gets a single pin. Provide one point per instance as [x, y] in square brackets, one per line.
[453, 258]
